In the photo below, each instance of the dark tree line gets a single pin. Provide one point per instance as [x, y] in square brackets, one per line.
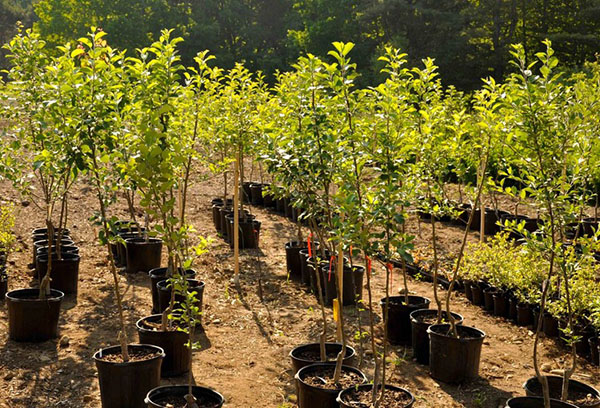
[469, 39]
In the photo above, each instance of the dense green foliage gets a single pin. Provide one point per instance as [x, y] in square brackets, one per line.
[469, 40]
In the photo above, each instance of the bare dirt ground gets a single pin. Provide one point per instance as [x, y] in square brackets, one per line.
[245, 342]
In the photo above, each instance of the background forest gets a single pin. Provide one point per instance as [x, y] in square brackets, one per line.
[469, 39]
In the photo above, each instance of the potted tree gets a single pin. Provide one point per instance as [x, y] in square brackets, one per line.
[128, 371]
[33, 314]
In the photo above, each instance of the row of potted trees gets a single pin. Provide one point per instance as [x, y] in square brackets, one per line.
[347, 163]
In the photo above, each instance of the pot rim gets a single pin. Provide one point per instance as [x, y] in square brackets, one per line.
[65, 255]
[572, 382]
[461, 327]
[128, 363]
[326, 344]
[161, 286]
[432, 311]
[142, 241]
[566, 404]
[370, 386]
[218, 394]
[304, 369]
[426, 300]
[141, 328]
[58, 295]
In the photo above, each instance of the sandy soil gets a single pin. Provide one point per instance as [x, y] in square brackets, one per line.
[246, 341]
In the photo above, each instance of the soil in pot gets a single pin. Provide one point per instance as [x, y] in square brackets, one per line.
[30, 318]
[157, 275]
[535, 402]
[360, 397]
[164, 293]
[126, 384]
[307, 354]
[173, 396]
[398, 322]
[292, 258]
[256, 196]
[454, 359]
[143, 254]
[420, 321]
[316, 387]
[580, 394]
[173, 342]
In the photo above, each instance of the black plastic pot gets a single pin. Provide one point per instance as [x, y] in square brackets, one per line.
[3, 285]
[268, 199]
[353, 283]
[157, 275]
[477, 293]
[533, 388]
[550, 325]
[298, 361]
[245, 191]
[398, 323]
[467, 290]
[289, 209]
[223, 213]
[345, 395]
[280, 205]
[256, 196]
[173, 342]
[206, 398]
[249, 233]
[64, 272]
[594, 352]
[304, 271]
[292, 259]
[512, 308]
[143, 255]
[120, 249]
[524, 315]
[216, 216]
[125, 385]
[43, 251]
[488, 299]
[500, 304]
[454, 360]
[164, 293]
[535, 402]
[313, 397]
[420, 337]
[44, 243]
[30, 318]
